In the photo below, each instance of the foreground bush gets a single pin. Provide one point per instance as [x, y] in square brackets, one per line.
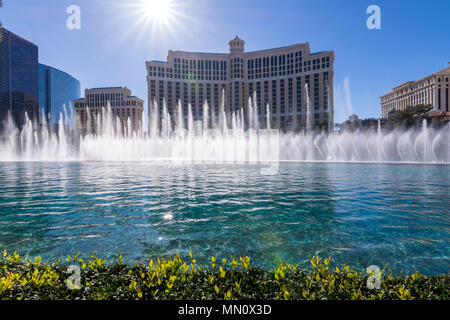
[178, 279]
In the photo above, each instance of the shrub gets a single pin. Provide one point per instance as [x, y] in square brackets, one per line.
[176, 278]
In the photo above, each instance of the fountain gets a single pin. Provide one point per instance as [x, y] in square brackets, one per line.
[234, 137]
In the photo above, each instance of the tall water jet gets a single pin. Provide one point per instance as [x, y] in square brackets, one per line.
[308, 110]
[62, 138]
[222, 115]
[205, 117]
[166, 121]
[255, 111]
[180, 122]
[425, 139]
[379, 140]
[190, 120]
[154, 120]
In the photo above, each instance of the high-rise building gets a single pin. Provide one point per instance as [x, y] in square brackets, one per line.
[122, 107]
[432, 89]
[19, 93]
[278, 77]
[57, 92]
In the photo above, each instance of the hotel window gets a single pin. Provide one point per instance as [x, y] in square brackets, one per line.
[200, 94]
[185, 98]
[266, 95]
[153, 89]
[446, 99]
[316, 119]
[216, 98]
[258, 93]
[208, 93]
[290, 97]
[274, 97]
[236, 96]
[299, 94]
[193, 90]
[325, 90]
[161, 95]
[169, 96]
[316, 91]
[439, 98]
[177, 91]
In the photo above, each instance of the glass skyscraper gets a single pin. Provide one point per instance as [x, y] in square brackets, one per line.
[57, 92]
[19, 93]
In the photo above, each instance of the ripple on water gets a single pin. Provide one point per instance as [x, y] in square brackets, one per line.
[359, 214]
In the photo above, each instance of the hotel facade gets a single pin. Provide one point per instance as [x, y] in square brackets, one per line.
[125, 108]
[276, 76]
[432, 90]
[19, 83]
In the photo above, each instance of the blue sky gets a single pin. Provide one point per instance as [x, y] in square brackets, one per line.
[114, 41]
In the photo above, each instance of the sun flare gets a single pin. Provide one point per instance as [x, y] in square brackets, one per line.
[157, 10]
[154, 21]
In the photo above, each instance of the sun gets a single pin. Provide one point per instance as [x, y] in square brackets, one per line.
[157, 10]
[153, 21]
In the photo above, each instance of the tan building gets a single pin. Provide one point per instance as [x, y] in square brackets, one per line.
[277, 77]
[432, 89]
[125, 109]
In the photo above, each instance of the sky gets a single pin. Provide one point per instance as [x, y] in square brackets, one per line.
[116, 37]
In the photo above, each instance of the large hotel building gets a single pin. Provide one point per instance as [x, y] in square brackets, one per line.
[19, 80]
[432, 89]
[277, 77]
[124, 107]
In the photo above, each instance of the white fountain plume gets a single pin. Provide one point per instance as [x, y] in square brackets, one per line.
[205, 117]
[154, 120]
[180, 121]
[379, 140]
[222, 115]
[115, 137]
[308, 110]
[268, 126]
[190, 119]
[255, 111]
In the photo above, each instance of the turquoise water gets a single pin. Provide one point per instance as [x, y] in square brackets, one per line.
[359, 214]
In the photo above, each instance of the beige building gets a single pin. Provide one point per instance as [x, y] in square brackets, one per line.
[125, 109]
[432, 89]
[277, 77]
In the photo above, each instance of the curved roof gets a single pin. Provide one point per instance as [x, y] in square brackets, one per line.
[57, 70]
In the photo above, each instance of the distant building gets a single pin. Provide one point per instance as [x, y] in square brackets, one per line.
[277, 77]
[432, 90]
[123, 105]
[57, 92]
[19, 86]
[352, 123]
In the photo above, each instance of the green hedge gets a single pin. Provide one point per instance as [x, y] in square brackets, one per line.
[177, 279]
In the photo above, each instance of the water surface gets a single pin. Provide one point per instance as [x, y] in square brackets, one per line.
[359, 214]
